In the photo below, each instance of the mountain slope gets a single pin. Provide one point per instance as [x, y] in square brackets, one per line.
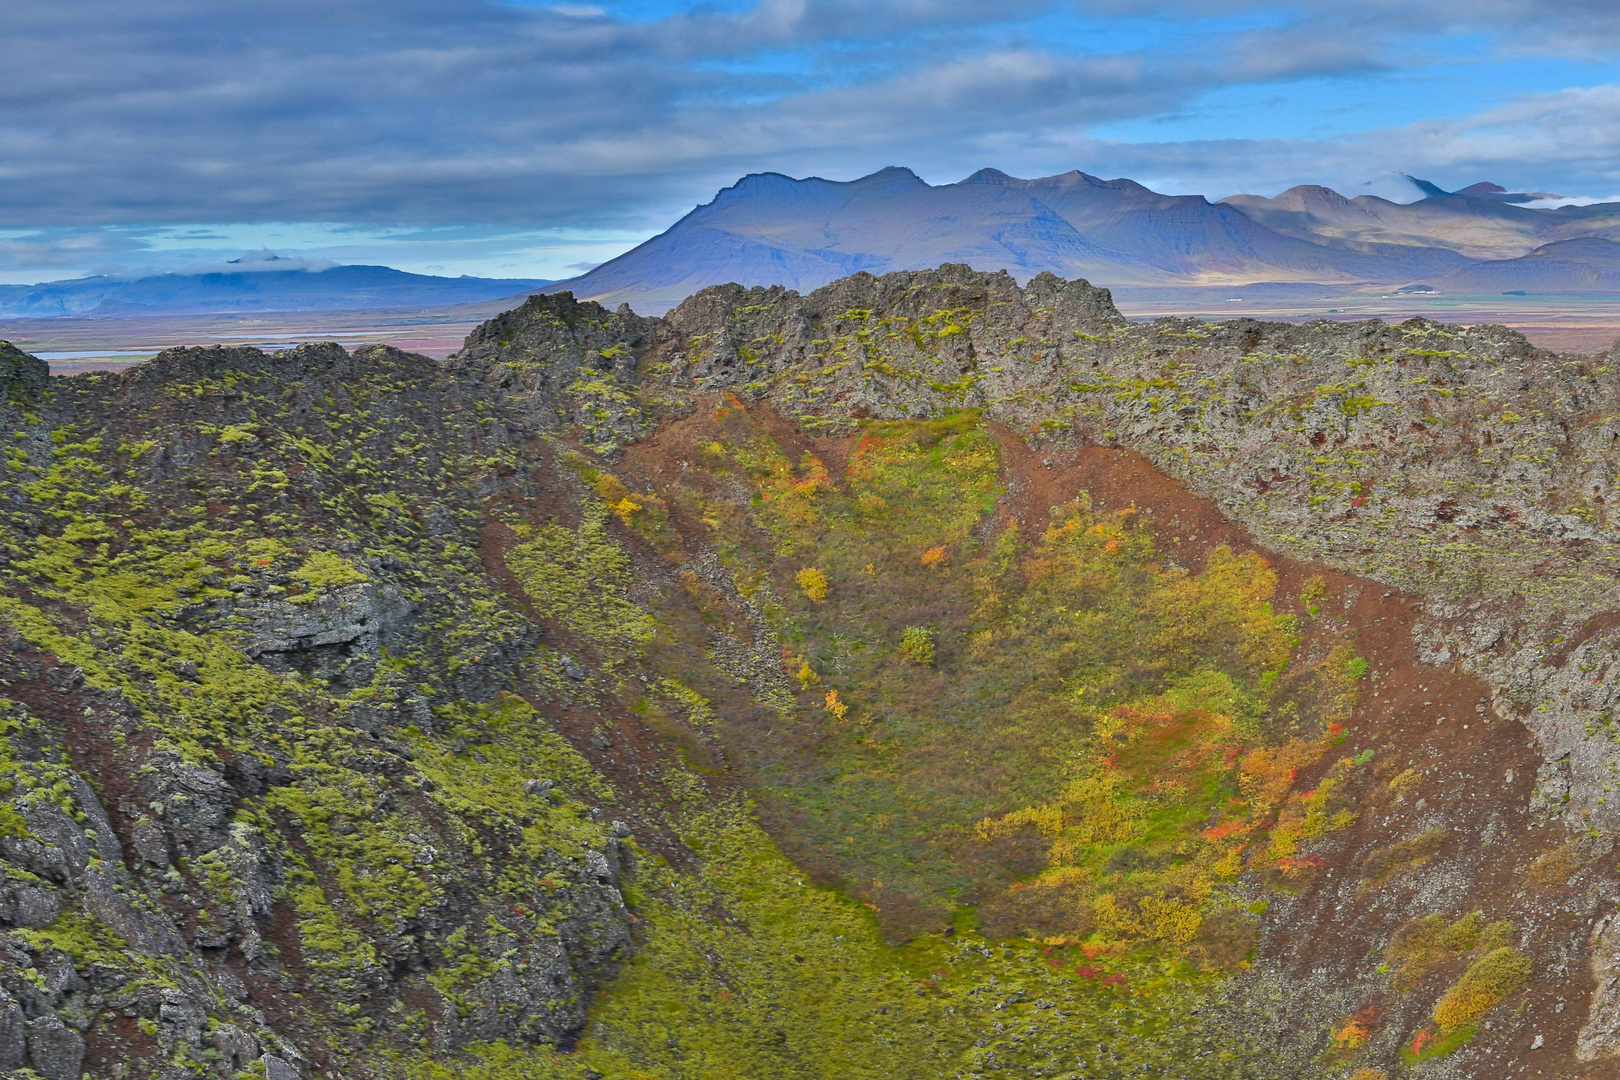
[1475, 225]
[1590, 265]
[772, 230]
[337, 288]
[926, 676]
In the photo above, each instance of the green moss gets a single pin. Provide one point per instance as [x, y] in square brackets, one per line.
[581, 577]
[508, 744]
[327, 570]
[749, 969]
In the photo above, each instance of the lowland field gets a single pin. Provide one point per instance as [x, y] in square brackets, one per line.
[1573, 324]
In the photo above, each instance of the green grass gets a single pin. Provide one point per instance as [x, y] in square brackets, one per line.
[748, 969]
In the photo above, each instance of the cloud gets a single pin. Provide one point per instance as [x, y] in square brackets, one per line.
[478, 113]
[69, 248]
[1580, 27]
[1554, 204]
[263, 261]
[1294, 52]
[1392, 187]
[1573, 135]
[779, 23]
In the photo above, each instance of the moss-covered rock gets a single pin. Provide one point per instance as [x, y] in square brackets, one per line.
[726, 695]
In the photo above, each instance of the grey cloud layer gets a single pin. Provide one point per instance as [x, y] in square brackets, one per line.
[472, 111]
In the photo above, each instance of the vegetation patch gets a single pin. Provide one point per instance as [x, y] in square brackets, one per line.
[1067, 713]
[1401, 857]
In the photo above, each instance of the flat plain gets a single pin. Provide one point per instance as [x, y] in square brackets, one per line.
[1568, 324]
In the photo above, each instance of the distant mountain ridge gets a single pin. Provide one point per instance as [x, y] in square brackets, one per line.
[1480, 226]
[771, 229]
[337, 288]
[1588, 264]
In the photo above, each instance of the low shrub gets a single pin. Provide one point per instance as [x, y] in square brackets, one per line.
[1355, 1030]
[1421, 944]
[1402, 782]
[1401, 857]
[813, 583]
[917, 645]
[1225, 940]
[1554, 867]
[1487, 981]
[1056, 906]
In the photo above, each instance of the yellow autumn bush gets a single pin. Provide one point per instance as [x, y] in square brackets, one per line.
[813, 583]
[1487, 981]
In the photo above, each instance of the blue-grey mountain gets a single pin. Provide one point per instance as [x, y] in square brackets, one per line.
[337, 288]
[770, 229]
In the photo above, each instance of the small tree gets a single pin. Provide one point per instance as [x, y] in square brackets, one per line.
[806, 675]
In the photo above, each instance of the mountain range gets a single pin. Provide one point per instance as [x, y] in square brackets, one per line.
[254, 286]
[770, 229]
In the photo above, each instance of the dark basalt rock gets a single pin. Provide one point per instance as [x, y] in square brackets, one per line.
[23, 378]
[54, 1050]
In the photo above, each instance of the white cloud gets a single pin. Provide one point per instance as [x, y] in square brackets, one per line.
[1554, 204]
[1395, 187]
[263, 261]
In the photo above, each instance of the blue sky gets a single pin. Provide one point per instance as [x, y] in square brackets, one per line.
[536, 139]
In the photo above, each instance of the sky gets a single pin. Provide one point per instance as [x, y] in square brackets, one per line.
[519, 139]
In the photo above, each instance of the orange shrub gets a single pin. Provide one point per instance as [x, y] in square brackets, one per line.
[1355, 1030]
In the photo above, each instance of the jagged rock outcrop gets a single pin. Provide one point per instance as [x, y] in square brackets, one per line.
[22, 377]
[564, 365]
[337, 636]
[264, 768]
